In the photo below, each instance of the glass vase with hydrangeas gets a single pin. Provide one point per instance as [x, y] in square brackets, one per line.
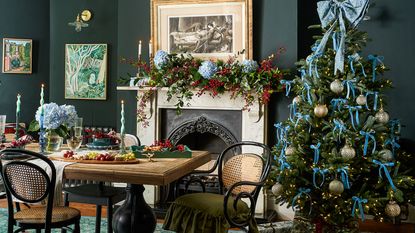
[184, 74]
[57, 121]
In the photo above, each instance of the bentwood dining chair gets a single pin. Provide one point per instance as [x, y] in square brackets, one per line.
[28, 183]
[241, 176]
[99, 194]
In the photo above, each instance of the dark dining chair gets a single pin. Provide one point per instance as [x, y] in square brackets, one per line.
[241, 176]
[28, 183]
[98, 193]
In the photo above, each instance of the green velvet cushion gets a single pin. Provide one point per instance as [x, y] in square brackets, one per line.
[204, 213]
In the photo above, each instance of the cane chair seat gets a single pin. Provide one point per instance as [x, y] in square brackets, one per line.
[36, 215]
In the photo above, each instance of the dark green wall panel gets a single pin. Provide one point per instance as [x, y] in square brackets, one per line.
[24, 19]
[102, 29]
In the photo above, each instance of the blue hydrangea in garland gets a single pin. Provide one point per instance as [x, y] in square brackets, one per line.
[161, 59]
[208, 69]
[249, 66]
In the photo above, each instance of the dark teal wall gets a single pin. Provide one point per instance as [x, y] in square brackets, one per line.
[23, 19]
[103, 29]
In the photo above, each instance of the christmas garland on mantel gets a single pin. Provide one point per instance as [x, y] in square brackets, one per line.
[183, 74]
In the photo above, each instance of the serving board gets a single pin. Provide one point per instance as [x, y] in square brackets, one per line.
[94, 161]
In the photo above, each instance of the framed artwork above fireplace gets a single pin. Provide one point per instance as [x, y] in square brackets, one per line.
[207, 29]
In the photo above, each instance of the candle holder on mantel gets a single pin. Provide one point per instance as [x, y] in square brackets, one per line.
[122, 147]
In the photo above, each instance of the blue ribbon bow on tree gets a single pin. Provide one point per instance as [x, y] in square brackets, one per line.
[356, 58]
[322, 172]
[303, 74]
[293, 111]
[333, 12]
[350, 87]
[358, 201]
[344, 176]
[375, 101]
[383, 167]
[307, 88]
[375, 61]
[301, 191]
[338, 126]
[338, 103]
[356, 110]
[287, 86]
[316, 149]
[312, 64]
[395, 123]
[306, 118]
[368, 135]
[394, 144]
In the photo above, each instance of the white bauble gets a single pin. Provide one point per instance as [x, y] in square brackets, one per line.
[392, 209]
[336, 86]
[290, 150]
[321, 111]
[336, 187]
[382, 116]
[386, 155]
[347, 152]
[297, 99]
[277, 189]
[361, 100]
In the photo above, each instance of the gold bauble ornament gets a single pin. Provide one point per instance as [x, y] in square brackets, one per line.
[336, 187]
[321, 111]
[277, 189]
[361, 100]
[297, 99]
[347, 152]
[336, 86]
[290, 150]
[386, 155]
[392, 209]
[382, 116]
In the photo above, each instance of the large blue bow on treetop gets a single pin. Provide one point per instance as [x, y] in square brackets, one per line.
[332, 12]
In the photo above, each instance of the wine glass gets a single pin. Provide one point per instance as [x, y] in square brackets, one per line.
[75, 140]
[149, 156]
[2, 127]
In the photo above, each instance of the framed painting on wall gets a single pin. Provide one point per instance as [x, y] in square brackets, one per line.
[17, 56]
[86, 71]
[208, 29]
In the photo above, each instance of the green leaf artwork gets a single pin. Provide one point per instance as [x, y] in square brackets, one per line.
[86, 71]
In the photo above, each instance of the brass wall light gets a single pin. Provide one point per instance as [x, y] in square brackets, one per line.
[81, 20]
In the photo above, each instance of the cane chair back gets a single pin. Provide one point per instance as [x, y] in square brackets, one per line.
[243, 167]
[130, 140]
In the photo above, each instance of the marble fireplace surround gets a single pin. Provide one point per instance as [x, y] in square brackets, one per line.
[253, 128]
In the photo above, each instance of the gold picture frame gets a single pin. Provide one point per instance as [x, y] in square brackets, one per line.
[17, 56]
[207, 29]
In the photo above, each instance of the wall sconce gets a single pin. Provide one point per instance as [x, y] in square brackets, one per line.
[79, 23]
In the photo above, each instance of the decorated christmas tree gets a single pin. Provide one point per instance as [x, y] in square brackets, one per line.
[337, 156]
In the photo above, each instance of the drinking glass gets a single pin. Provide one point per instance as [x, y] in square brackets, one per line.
[74, 143]
[2, 127]
[78, 127]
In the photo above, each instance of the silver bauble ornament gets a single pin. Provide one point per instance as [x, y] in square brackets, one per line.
[297, 99]
[382, 116]
[347, 152]
[336, 86]
[336, 187]
[321, 111]
[290, 150]
[361, 100]
[277, 189]
[392, 209]
[386, 155]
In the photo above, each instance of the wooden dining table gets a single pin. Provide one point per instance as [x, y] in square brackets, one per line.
[135, 215]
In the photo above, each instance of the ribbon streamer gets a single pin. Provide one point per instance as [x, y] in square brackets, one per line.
[358, 201]
[301, 191]
[356, 110]
[344, 176]
[303, 74]
[375, 101]
[350, 87]
[383, 167]
[323, 173]
[356, 58]
[338, 126]
[368, 135]
[316, 149]
[393, 143]
[293, 111]
[287, 86]
[307, 88]
[306, 118]
[283, 165]
[312, 64]
[336, 12]
[375, 61]
[338, 103]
